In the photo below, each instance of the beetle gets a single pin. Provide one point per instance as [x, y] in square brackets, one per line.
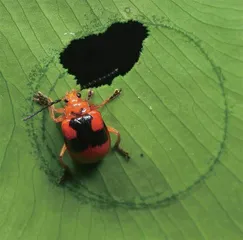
[86, 136]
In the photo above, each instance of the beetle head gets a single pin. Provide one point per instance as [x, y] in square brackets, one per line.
[72, 97]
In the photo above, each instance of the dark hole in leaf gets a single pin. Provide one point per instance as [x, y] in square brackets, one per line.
[104, 56]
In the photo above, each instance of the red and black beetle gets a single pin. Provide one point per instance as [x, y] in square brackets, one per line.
[86, 136]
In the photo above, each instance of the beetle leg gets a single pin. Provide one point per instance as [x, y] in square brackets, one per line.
[113, 96]
[116, 146]
[41, 98]
[67, 171]
[44, 100]
[52, 115]
[58, 110]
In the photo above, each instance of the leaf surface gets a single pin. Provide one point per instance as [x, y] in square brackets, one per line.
[179, 115]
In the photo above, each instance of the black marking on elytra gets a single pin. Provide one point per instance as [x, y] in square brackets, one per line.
[86, 137]
[82, 192]
[95, 56]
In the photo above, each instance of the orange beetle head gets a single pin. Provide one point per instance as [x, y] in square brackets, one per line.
[72, 97]
[75, 105]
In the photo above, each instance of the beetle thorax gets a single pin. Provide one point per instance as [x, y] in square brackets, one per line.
[76, 108]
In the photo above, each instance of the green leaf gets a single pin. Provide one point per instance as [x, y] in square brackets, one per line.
[181, 108]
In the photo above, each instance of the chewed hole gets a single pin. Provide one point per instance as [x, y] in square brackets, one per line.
[97, 59]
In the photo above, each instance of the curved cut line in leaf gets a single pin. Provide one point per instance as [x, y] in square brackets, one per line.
[85, 194]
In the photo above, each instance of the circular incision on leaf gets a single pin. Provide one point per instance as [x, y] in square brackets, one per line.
[177, 108]
[104, 56]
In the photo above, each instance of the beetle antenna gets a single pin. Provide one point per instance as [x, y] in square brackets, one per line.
[101, 78]
[85, 86]
[50, 104]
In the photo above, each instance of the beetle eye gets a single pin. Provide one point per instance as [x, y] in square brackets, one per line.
[79, 95]
[65, 100]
